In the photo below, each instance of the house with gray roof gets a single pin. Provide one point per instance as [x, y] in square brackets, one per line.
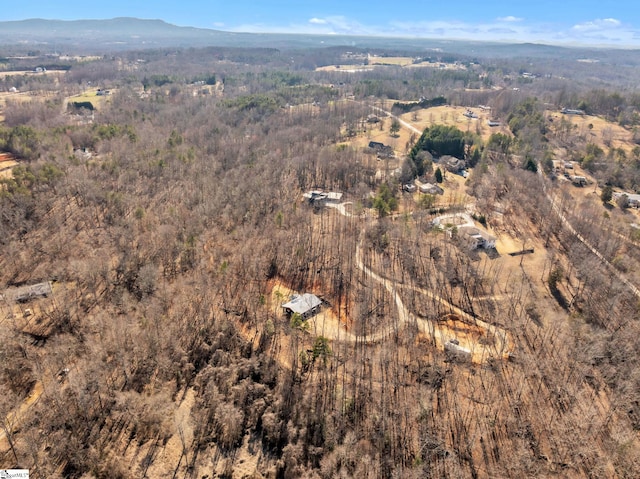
[633, 200]
[320, 198]
[306, 305]
[431, 189]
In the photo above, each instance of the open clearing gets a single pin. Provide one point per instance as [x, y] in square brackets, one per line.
[17, 97]
[377, 62]
[7, 163]
[346, 68]
[457, 331]
[454, 116]
[31, 73]
[398, 61]
[597, 130]
[473, 338]
[89, 95]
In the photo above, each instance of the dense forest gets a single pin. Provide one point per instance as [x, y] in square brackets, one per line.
[164, 209]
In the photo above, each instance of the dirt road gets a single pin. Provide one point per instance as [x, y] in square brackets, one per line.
[558, 211]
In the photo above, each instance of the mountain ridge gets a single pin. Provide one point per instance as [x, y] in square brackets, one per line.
[130, 33]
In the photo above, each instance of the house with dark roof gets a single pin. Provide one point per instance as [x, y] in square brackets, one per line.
[452, 164]
[381, 149]
[569, 111]
[24, 294]
[321, 198]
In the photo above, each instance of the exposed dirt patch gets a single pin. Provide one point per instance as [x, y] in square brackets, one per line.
[171, 455]
[32, 73]
[476, 342]
[325, 323]
[15, 418]
[7, 163]
[459, 327]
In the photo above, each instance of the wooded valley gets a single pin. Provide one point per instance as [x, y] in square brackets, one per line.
[468, 224]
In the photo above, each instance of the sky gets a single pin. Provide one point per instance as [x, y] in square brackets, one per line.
[589, 22]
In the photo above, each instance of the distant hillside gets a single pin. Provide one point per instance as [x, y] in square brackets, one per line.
[116, 33]
[126, 33]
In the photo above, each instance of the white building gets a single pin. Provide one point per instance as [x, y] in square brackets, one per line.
[305, 305]
[475, 238]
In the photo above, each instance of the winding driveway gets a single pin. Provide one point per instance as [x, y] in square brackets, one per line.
[437, 332]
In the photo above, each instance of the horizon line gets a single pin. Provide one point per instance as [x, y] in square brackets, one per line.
[574, 44]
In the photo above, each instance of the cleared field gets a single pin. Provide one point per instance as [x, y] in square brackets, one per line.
[405, 62]
[21, 96]
[597, 130]
[7, 163]
[31, 73]
[441, 115]
[399, 61]
[454, 116]
[90, 95]
[15, 96]
[80, 58]
[441, 66]
[345, 68]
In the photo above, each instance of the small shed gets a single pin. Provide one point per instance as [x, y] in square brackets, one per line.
[306, 305]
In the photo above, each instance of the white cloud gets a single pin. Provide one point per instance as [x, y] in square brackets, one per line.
[461, 30]
[598, 24]
[343, 25]
[330, 25]
[509, 19]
